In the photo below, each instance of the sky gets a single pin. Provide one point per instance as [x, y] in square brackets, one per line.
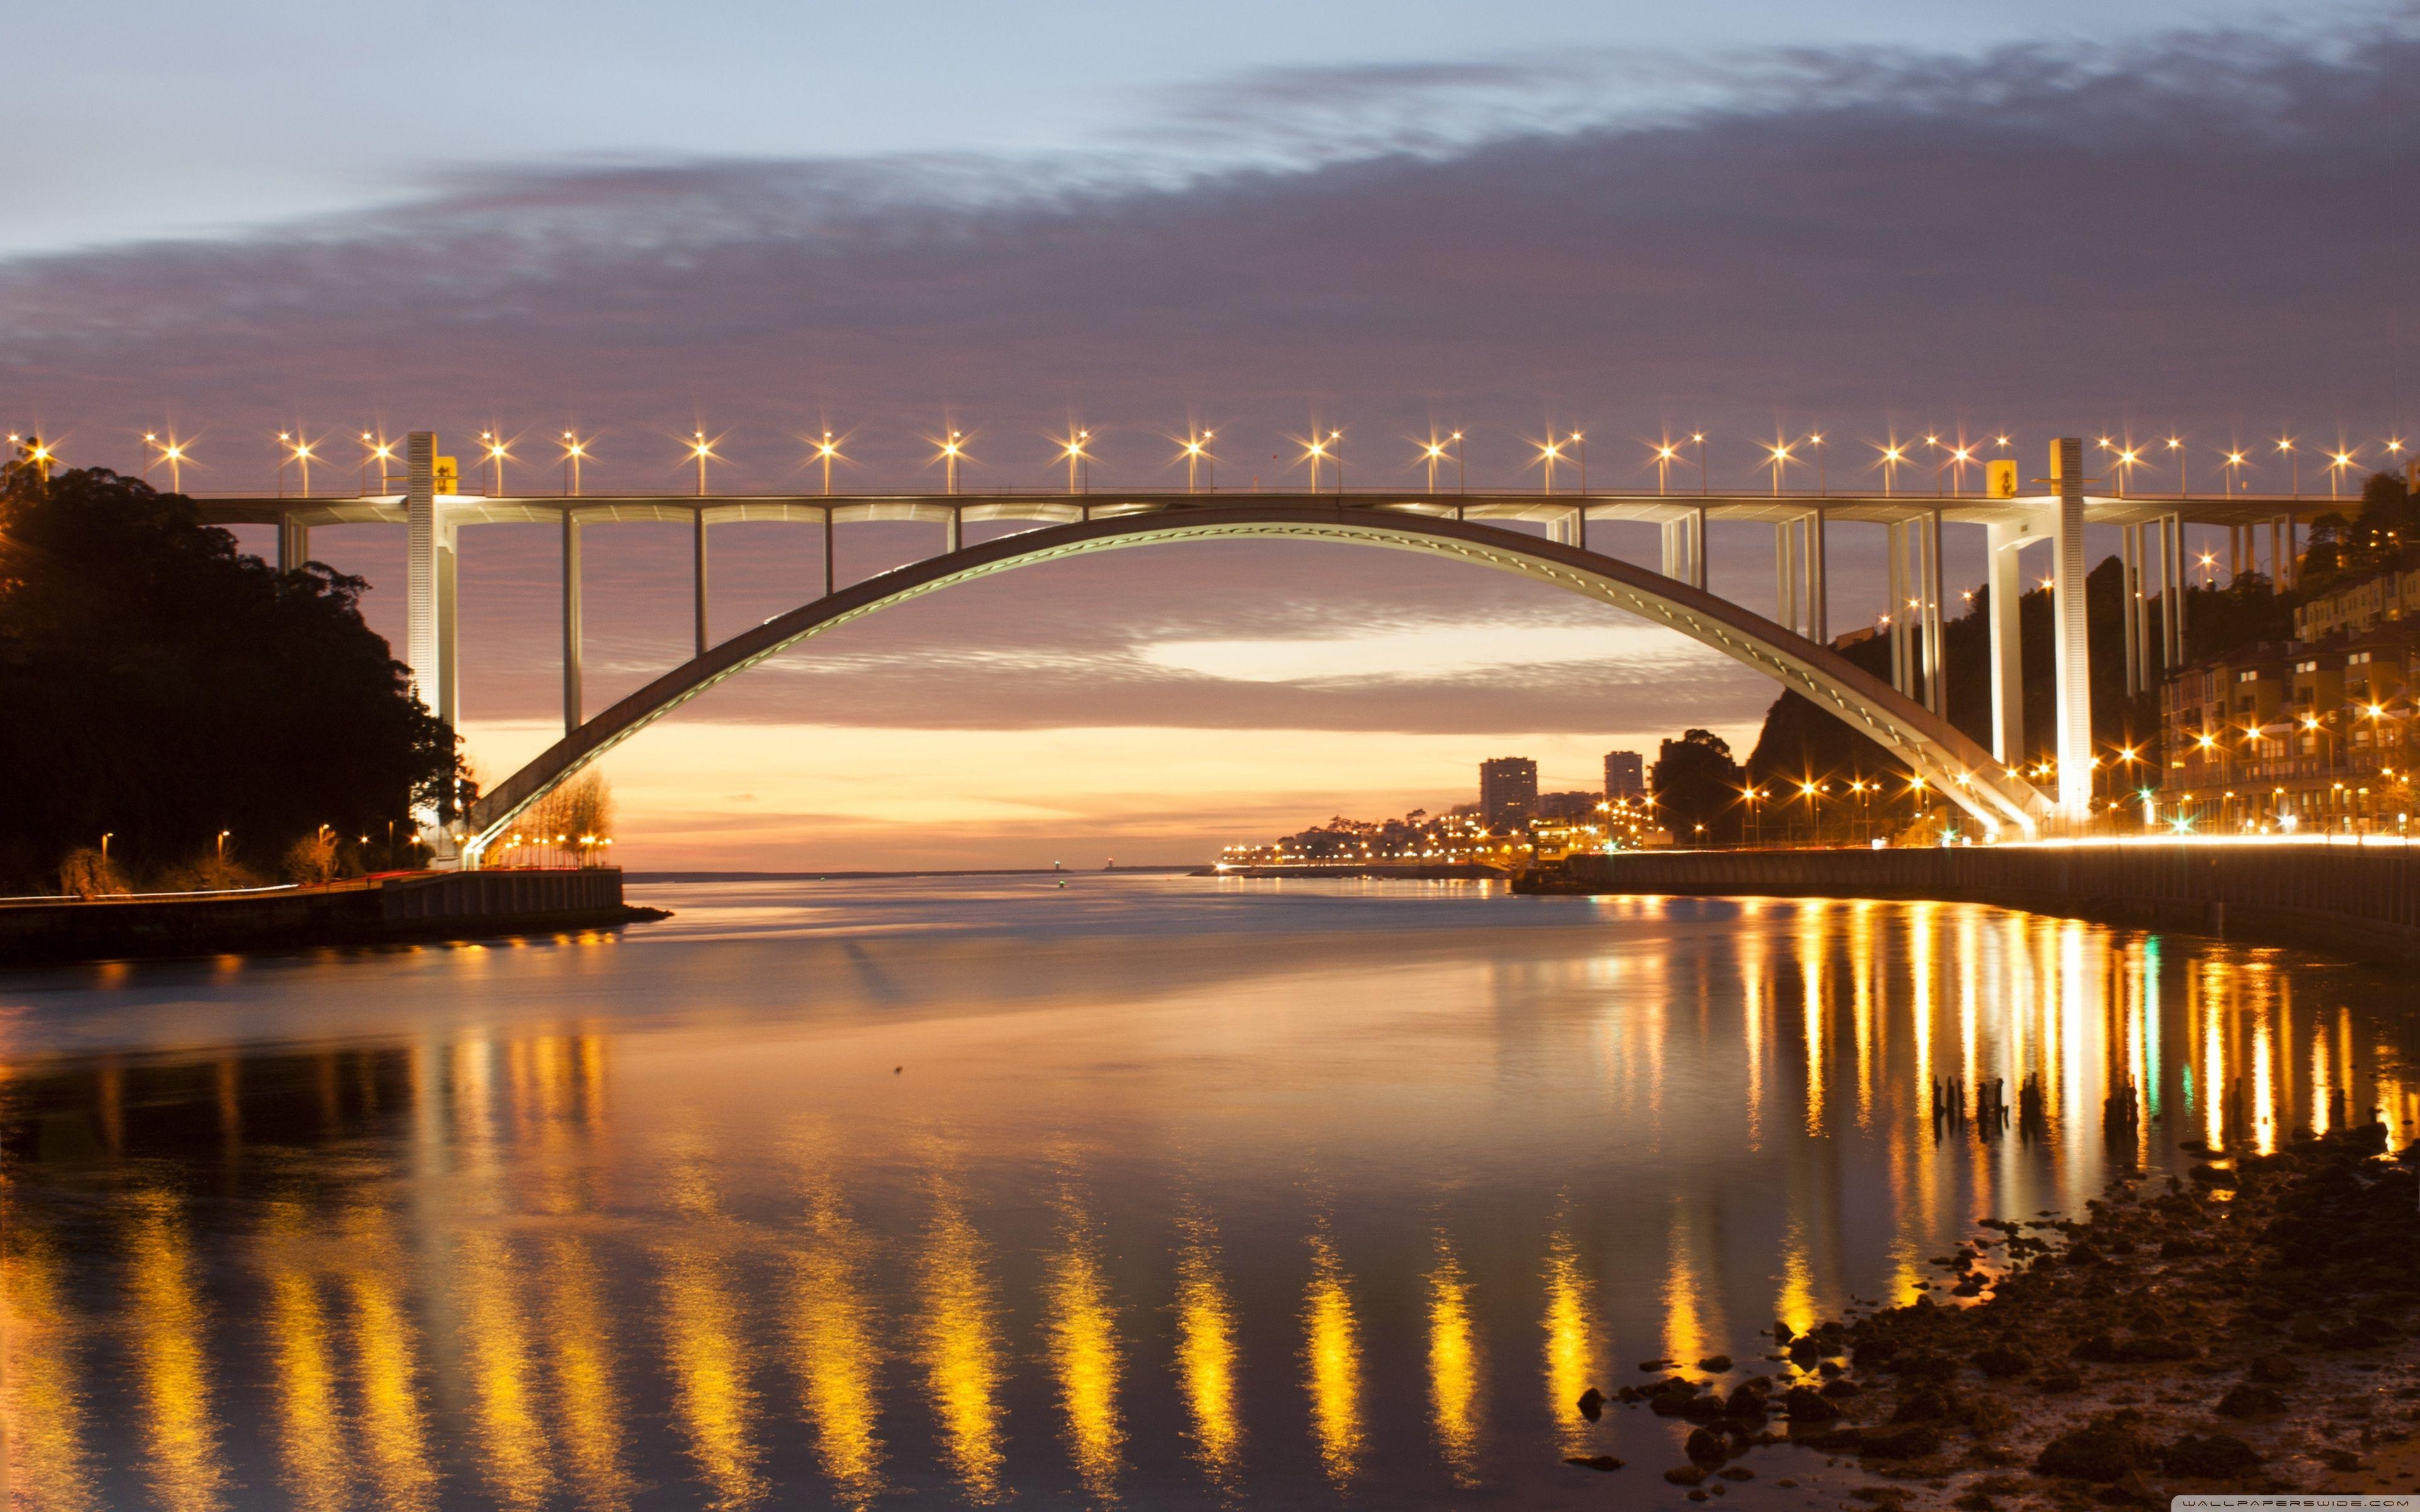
[1750, 219]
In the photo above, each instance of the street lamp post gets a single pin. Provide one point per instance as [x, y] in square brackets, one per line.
[494, 447]
[1699, 437]
[701, 449]
[574, 452]
[1196, 452]
[951, 449]
[1823, 487]
[825, 451]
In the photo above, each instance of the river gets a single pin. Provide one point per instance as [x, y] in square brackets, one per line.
[1156, 1190]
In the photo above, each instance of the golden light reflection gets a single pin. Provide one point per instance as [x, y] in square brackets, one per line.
[171, 1363]
[49, 1465]
[508, 1420]
[960, 1344]
[1081, 1323]
[1454, 1369]
[319, 1459]
[385, 1349]
[1573, 1363]
[705, 1344]
[834, 1339]
[1332, 1364]
[1206, 1355]
[580, 1351]
[1813, 958]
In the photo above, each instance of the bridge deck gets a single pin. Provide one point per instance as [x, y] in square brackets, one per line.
[1060, 508]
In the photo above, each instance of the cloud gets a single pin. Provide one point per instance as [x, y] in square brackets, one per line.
[1427, 654]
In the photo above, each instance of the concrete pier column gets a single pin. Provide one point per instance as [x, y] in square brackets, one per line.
[1819, 590]
[828, 547]
[954, 541]
[2007, 593]
[1669, 565]
[420, 651]
[572, 635]
[1937, 653]
[293, 544]
[2276, 556]
[2183, 580]
[1895, 606]
[697, 564]
[2129, 556]
[449, 625]
[1785, 575]
[2069, 643]
[1698, 549]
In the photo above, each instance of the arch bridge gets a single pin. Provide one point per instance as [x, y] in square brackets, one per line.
[1905, 714]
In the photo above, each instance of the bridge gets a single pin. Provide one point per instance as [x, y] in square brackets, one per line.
[1544, 538]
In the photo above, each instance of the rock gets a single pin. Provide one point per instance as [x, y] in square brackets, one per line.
[1706, 1448]
[1804, 1404]
[1834, 1440]
[1737, 1473]
[1929, 1369]
[1804, 1352]
[1656, 1365]
[1842, 1386]
[1591, 1404]
[2215, 1176]
[1707, 1408]
[2057, 1380]
[2216, 1457]
[2099, 1451]
[2274, 1371]
[1924, 1405]
[1714, 1365]
[1698, 1494]
[2141, 1350]
[1783, 1333]
[1684, 1475]
[1748, 1404]
[2131, 1489]
[2000, 1362]
[1594, 1461]
[2248, 1400]
[1907, 1441]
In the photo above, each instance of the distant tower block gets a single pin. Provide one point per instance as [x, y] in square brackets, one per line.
[1508, 791]
[1625, 775]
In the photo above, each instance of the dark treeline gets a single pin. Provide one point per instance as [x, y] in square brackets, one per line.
[160, 688]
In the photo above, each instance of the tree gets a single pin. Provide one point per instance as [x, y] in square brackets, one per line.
[161, 688]
[1697, 784]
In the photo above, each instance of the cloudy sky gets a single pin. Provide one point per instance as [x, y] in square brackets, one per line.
[2043, 218]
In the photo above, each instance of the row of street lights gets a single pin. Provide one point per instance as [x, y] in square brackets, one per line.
[1323, 451]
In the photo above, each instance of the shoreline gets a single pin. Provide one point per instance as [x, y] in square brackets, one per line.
[2253, 1326]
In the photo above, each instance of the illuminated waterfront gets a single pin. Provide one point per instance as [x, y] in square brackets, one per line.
[1156, 1190]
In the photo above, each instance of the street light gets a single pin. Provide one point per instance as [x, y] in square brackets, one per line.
[2294, 461]
[1815, 440]
[2175, 444]
[494, 445]
[1315, 450]
[575, 451]
[297, 449]
[1548, 453]
[1664, 455]
[826, 450]
[172, 452]
[1893, 455]
[1958, 456]
[2337, 465]
[702, 450]
[1077, 457]
[1781, 460]
[1196, 452]
[1699, 437]
[952, 448]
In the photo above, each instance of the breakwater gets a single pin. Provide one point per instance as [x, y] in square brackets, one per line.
[417, 906]
[2362, 902]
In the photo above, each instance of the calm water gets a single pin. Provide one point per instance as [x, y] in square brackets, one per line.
[1161, 1192]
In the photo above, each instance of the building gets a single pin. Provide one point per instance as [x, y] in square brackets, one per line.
[1626, 774]
[2304, 734]
[1508, 791]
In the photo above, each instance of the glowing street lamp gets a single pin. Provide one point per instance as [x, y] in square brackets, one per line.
[375, 453]
[2294, 461]
[1196, 452]
[1461, 474]
[1780, 458]
[295, 449]
[954, 446]
[575, 451]
[1958, 456]
[1580, 448]
[1699, 437]
[826, 450]
[1664, 455]
[2337, 464]
[1077, 458]
[702, 451]
[1315, 452]
[1893, 455]
[2176, 444]
[1549, 453]
[172, 452]
[2234, 473]
[1815, 440]
[1432, 452]
[495, 446]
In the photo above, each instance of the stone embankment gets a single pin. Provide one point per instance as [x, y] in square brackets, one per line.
[376, 910]
[2362, 902]
[2255, 1328]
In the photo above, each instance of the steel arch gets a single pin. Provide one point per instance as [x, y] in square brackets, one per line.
[1954, 765]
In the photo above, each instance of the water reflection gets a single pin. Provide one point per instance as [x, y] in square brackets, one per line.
[1331, 1353]
[513, 1262]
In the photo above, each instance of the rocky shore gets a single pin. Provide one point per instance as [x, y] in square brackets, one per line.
[2252, 1327]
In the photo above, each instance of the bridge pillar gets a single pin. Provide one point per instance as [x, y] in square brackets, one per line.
[953, 541]
[697, 564]
[2130, 551]
[2070, 642]
[422, 611]
[1785, 574]
[1698, 549]
[828, 544]
[293, 544]
[2005, 593]
[1936, 657]
[1819, 592]
[1897, 573]
[572, 635]
[2178, 580]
